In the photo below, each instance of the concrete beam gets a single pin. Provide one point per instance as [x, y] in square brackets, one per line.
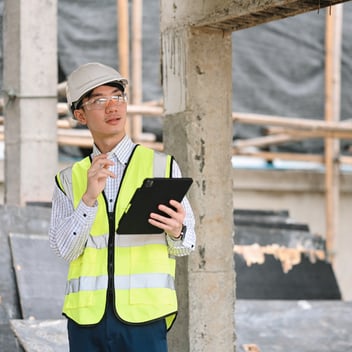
[235, 15]
[30, 85]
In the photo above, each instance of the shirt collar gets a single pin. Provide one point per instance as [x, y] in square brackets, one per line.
[122, 150]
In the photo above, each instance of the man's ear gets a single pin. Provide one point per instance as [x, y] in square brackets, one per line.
[80, 116]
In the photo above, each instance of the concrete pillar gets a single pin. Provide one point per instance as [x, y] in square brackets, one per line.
[197, 84]
[30, 84]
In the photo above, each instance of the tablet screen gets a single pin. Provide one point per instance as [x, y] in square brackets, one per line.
[154, 191]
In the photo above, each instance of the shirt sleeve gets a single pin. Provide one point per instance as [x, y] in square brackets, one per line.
[69, 228]
[186, 245]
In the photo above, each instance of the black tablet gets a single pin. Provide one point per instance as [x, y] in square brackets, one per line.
[154, 191]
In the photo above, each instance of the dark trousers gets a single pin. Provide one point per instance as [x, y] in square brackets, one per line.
[111, 335]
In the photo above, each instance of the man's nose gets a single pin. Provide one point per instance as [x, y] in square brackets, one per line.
[111, 104]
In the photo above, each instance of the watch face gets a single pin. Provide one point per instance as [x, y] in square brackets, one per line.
[183, 231]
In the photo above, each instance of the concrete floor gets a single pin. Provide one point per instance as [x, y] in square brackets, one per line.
[263, 326]
[291, 326]
[272, 326]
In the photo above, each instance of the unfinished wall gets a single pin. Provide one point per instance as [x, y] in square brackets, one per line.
[302, 193]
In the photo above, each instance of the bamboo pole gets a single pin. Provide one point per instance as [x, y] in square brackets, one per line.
[136, 121]
[260, 142]
[122, 17]
[269, 156]
[333, 37]
[293, 122]
[123, 37]
[66, 135]
[302, 134]
[310, 158]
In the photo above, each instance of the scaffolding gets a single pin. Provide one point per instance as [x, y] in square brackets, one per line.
[279, 130]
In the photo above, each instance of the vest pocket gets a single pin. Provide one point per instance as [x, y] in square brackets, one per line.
[152, 296]
[79, 300]
[150, 278]
[149, 259]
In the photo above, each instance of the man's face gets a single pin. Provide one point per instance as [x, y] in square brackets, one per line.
[104, 113]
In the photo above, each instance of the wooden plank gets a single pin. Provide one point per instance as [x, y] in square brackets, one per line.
[299, 134]
[264, 141]
[122, 17]
[315, 158]
[136, 94]
[123, 52]
[150, 109]
[269, 156]
[333, 48]
[292, 122]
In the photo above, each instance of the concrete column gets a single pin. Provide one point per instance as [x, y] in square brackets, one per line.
[30, 84]
[197, 84]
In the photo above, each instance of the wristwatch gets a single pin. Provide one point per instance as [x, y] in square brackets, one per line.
[183, 232]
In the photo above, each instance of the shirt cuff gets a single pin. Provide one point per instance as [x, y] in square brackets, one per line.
[179, 242]
[85, 212]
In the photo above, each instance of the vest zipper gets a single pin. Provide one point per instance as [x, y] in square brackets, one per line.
[111, 256]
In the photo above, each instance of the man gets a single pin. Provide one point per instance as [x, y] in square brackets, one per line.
[120, 293]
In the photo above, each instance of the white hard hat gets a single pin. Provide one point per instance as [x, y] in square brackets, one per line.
[88, 77]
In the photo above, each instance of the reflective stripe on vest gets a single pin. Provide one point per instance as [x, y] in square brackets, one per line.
[144, 271]
[121, 282]
[99, 242]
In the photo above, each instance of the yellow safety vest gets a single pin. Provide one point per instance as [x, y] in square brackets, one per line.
[139, 267]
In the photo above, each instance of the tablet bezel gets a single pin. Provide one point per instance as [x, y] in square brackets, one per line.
[154, 191]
